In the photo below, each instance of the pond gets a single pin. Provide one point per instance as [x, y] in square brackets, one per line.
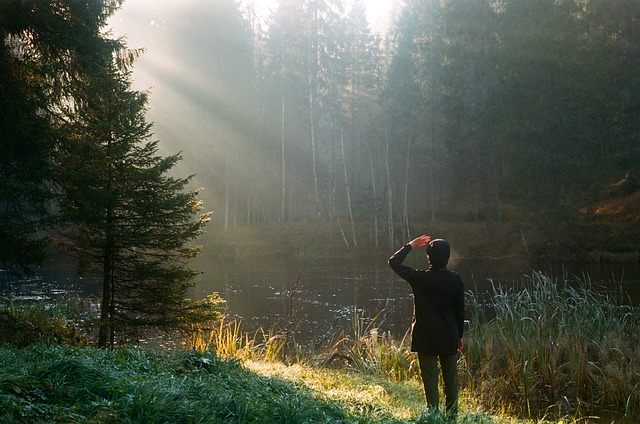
[321, 297]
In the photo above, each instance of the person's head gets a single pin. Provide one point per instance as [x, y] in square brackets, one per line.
[438, 252]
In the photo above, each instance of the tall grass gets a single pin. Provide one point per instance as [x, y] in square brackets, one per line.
[369, 350]
[556, 349]
[25, 323]
[365, 348]
[226, 339]
[548, 349]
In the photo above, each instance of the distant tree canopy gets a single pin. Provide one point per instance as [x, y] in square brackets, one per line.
[518, 115]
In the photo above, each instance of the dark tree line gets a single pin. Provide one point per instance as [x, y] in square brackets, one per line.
[519, 115]
[80, 171]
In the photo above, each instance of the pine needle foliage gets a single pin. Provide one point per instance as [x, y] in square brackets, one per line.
[128, 221]
[45, 47]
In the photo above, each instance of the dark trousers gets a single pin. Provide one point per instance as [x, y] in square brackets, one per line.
[429, 371]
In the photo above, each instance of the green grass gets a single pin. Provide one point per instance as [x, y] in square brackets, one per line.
[552, 353]
[40, 384]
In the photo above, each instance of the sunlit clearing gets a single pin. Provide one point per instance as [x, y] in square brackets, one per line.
[402, 399]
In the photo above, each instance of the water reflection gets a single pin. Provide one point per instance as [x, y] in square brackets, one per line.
[328, 293]
[321, 296]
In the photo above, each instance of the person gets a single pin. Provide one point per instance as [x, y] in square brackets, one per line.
[438, 318]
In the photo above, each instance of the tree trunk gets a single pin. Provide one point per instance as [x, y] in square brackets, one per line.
[226, 209]
[433, 200]
[499, 221]
[311, 66]
[106, 325]
[405, 206]
[105, 335]
[348, 192]
[389, 199]
[374, 193]
[283, 191]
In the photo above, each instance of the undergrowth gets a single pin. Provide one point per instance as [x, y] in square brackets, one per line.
[549, 350]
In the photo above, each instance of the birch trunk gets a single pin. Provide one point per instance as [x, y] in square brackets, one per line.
[405, 206]
[311, 65]
[390, 233]
[347, 191]
[374, 192]
[432, 183]
[283, 188]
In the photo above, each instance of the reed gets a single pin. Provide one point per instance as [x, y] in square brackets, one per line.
[369, 350]
[554, 348]
[550, 350]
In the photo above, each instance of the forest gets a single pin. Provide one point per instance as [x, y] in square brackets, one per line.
[136, 135]
[514, 120]
[516, 117]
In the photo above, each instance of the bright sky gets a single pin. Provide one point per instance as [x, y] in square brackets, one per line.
[376, 9]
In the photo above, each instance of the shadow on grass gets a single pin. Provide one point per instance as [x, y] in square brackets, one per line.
[133, 385]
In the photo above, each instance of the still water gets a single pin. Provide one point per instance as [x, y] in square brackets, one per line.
[321, 297]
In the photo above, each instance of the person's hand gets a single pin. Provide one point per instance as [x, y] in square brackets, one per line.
[420, 241]
[460, 345]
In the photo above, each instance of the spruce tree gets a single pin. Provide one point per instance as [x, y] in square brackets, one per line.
[44, 49]
[129, 222]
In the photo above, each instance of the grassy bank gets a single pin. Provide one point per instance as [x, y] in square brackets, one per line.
[547, 350]
[42, 384]
[545, 353]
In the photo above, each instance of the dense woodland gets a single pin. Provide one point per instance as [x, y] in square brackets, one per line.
[518, 116]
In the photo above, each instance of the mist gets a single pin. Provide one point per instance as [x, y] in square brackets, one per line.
[199, 75]
[312, 116]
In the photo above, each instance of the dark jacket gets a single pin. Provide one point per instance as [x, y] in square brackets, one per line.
[438, 298]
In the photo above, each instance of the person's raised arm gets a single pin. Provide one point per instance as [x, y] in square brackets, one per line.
[420, 241]
[397, 258]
